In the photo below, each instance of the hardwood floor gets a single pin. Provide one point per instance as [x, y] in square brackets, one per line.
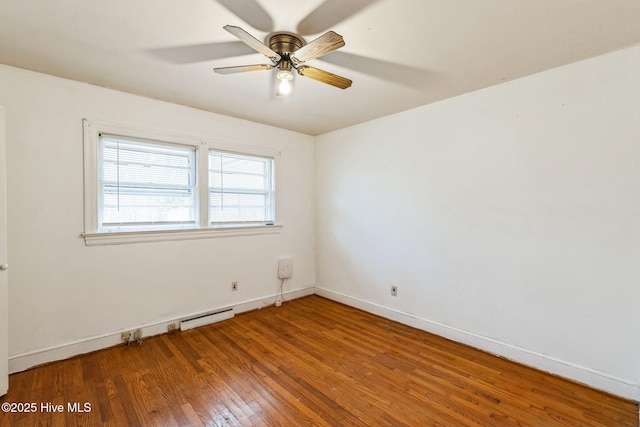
[309, 362]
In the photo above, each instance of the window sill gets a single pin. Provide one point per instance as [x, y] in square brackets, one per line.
[126, 237]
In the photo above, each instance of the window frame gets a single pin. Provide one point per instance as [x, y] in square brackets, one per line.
[203, 229]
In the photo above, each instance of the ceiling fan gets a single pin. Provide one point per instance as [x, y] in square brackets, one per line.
[288, 52]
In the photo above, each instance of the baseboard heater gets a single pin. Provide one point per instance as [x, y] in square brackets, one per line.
[206, 319]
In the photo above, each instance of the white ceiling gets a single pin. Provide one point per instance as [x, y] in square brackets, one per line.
[400, 54]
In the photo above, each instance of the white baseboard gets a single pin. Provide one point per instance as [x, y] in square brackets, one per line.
[590, 377]
[24, 361]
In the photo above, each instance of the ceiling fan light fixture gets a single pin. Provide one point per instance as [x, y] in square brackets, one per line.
[284, 70]
[284, 77]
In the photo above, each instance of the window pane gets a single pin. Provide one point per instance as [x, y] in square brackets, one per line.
[241, 188]
[138, 162]
[146, 184]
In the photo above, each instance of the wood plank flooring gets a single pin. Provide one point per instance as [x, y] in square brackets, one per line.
[310, 362]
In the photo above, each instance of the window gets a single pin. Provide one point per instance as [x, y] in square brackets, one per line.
[240, 188]
[142, 185]
[145, 184]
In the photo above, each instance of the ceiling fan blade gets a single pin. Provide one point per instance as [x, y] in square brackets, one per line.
[328, 42]
[412, 77]
[188, 54]
[250, 12]
[242, 68]
[252, 42]
[330, 13]
[324, 77]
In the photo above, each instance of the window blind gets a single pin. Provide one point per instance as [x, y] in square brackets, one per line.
[145, 184]
[240, 188]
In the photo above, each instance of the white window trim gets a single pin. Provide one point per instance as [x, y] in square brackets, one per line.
[93, 129]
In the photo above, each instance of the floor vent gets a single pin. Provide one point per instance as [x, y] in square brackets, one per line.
[206, 319]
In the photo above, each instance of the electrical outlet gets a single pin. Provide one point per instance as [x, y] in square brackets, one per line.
[394, 291]
[131, 336]
[234, 286]
[172, 327]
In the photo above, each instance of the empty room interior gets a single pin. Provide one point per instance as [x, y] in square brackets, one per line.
[362, 212]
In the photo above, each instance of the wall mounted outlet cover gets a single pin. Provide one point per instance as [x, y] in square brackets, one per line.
[285, 267]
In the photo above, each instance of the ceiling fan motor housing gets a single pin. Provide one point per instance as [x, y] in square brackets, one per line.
[285, 43]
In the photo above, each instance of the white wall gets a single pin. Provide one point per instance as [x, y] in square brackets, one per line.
[61, 291]
[508, 218]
